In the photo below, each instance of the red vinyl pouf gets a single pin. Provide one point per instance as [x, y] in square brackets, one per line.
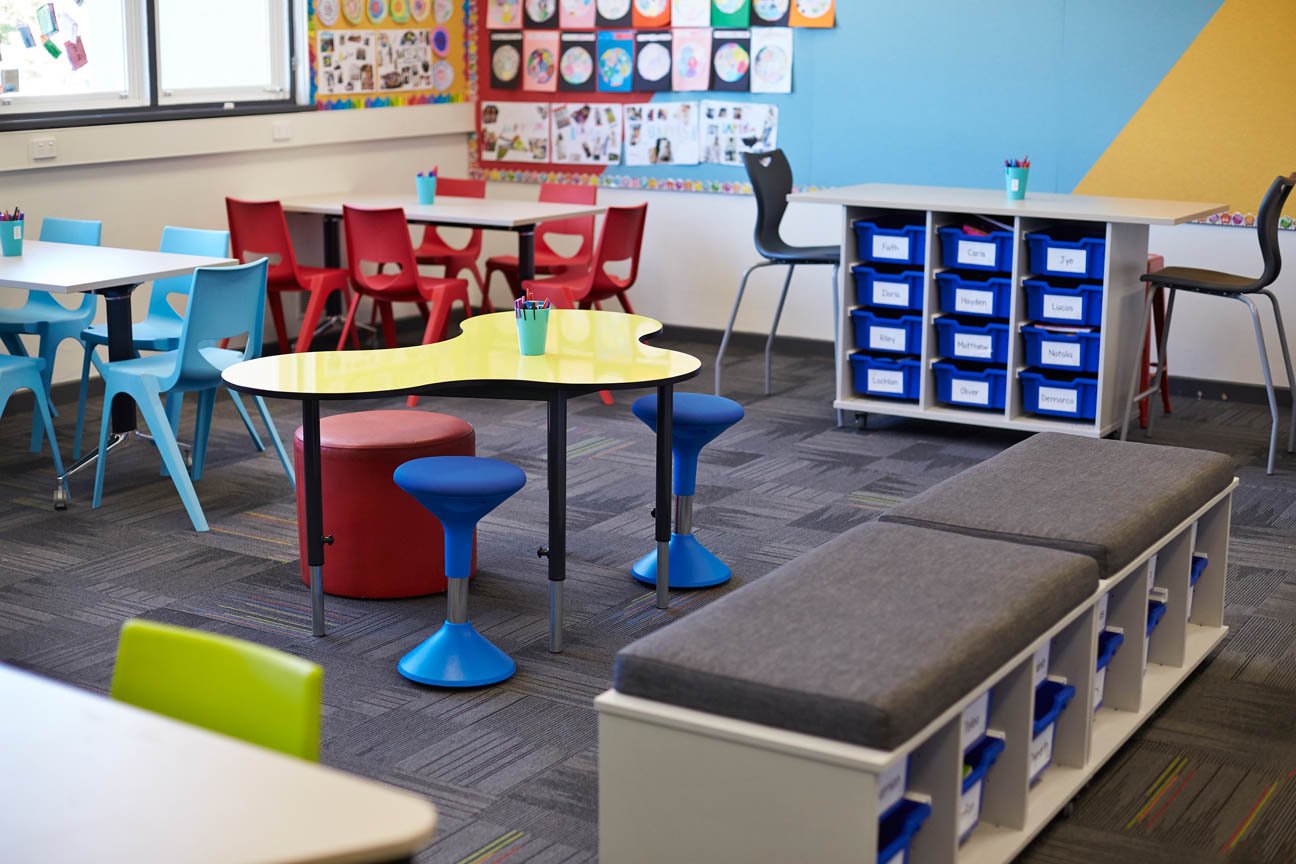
[385, 544]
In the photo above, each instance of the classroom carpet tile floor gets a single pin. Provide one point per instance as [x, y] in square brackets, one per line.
[513, 769]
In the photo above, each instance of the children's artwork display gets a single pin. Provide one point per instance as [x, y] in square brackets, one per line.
[771, 53]
[506, 60]
[770, 13]
[540, 63]
[730, 129]
[586, 134]
[515, 132]
[662, 134]
[731, 60]
[812, 13]
[503, 14]
[613, 13]
[652, 71]
[690, 13]
[540, 14]
[576, 62]
[615, 61]
[730, 13]
[405, 61]
[346, 62]
[691, 60]
[651, 13]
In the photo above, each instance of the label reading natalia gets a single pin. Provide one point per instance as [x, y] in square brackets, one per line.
[1060, 354]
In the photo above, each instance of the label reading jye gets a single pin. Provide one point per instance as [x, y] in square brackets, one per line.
[1067, 260]
[895, 248]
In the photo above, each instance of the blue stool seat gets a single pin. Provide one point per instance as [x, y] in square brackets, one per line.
[698, 419]
[459, 491]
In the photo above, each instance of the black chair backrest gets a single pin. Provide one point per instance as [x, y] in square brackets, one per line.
[771, 179]
[1267, 228]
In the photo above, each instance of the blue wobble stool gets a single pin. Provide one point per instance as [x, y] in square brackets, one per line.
[699, 418]
[459, 491]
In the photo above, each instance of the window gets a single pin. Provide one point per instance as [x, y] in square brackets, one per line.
[93, 56]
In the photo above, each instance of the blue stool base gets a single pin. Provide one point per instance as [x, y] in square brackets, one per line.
[692, 565]
[456, 656]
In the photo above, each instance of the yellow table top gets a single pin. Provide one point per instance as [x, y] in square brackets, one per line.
[586, 350]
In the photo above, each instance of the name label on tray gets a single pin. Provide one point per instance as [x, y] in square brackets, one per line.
[1039, 670]
[978, 253]
[887, 338]
[1100, 685]
[1060, 353]
[1041, 750]
[1067, 260]
[881, 381]
[1058, 399]
[976, 302]
[1063, 308]
[969, 809]
[891, 785]
[976, 347]
[1101, 609]
[975, 719]
[891, 293]
[970, 392]
[891, 247]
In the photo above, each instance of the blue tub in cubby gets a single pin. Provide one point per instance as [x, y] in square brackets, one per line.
[1073, 398]
[990, 252]
[1048, 302]
[1051, 699]
[981, 298]
[892, 240]
[970, 388]
[961, 340]
[1054, 349]
[1069, 252]
[894, 335]
[880, 289]
[892, 378]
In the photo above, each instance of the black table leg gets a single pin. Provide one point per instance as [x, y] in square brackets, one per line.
[665, 420]
[557, 552]
[314, 495]
[526, 253]
[121, 346]
[333, 258]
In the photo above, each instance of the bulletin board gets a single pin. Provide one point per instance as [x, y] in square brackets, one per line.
[381, 53]
[941, 93]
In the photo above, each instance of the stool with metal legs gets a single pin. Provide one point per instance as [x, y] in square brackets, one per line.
[1218, 284]
[459, 491]
[699, 418]
[771, 179]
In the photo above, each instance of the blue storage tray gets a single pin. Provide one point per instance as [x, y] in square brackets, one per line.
[968, 388]
[1199, 562]
[887, 377]
[891, 241]
[1071, 352]
[990, 252]
[1066, 252]
[1051, 699]
[1156, 611]
[982, 298]
[1078, 305]
[1109, 642]
[897, 828]
[901, 335]
[1073, 398]
[983, 343]
[901, 291]
[977, 763]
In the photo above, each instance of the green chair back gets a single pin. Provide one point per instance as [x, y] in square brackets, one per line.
[237, 688]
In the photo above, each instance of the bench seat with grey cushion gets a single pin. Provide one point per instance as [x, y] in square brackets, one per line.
[866, 639]
[1109, 500]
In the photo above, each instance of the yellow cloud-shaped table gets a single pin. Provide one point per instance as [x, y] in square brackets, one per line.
[586, 351]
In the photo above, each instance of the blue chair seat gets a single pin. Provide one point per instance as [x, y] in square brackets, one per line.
[459, 477]
[147, 335]
[691, 409]
[164, 364]
[20, 320]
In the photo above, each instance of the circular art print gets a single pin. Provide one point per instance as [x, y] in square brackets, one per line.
[353, 10]
[654, 61]
[541, 10]
[770, 10]
[443, 75]
[377, 10]
[770, 64]
[442, 10]
[689, 62]
[327, 12]
[614, 9]
[731, 62]
[576, 66]
[814, 8]
[614, 66]
[505, 62]
[729, 7]
[441, 41]
[419, 9]
[540, 65]
[399, 11]
[651, 9]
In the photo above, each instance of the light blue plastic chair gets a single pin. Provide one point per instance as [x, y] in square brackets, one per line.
[46, 317]
[160, 329]
[224, 302]
[24, 373]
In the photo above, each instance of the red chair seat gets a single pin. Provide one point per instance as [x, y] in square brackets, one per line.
[545, 262]
[385, 544]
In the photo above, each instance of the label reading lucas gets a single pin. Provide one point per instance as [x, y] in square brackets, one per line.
[894, 248]
[977, 254]
[1062, 308]
[1060, 354]
[891, 293]
[1067, 260]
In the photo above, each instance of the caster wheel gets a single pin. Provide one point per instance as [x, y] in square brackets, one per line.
[861, 420]
[188, 459]
[61, 498]
[1068, 809]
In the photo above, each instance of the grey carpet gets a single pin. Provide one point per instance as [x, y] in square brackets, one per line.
[513, 768]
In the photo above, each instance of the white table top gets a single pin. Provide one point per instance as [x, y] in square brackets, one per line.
[83, 778]
[68, 268]
[448, 210]
[993, 202]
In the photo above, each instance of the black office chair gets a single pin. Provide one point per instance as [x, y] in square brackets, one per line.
[1217, 284]
[771, 179]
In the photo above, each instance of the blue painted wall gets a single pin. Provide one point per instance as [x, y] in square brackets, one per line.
[942, 91]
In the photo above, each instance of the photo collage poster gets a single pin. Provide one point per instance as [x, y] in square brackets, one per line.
[730, 129]
[515, 132]
[664, 133]
[586, 133]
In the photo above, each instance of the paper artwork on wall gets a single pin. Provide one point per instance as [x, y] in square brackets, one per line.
[731, 60]
[346, 61]
[515, 132]
[662, 133]
[587, 134]
[506, 60]
[327, 12]
[770, 13]
[691, 60]
[504, 14]
[730, 129]
[613, 13]
[690, 13]
[576, 61]
[353, 11]
[652, 72]
[771, 52]
[652, 13]
[730, 13]
[812, 13]
[615, 61]
[540, 61]
[576, 14]
[540, 13]
[405, 61]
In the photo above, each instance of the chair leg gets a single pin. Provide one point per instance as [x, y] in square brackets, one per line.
[310, 320]
[150, 407]
[349, 326]
[1163, 347]
[247, 421]
[174, 409]
[275, 302]
[1135, 377]
[778, 313]
[1159, 324]
[82, 397]
[1291, 380]
[1269, 388]
[1145, 378]
[13, 344]
[625, 303]
[105, 422]
[733, 316]
[389, 324]
[275, 439]
[42, 412]
[202, 432]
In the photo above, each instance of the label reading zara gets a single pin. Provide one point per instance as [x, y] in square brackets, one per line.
[887, 338]
[1067, 260]
[893, 248]
[977, 253]
[891, 293]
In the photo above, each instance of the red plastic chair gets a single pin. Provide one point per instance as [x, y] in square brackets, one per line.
[547, 261]
[257, 229]
[381, 237]
[621, 240]
[437, 252]
[1154, 263]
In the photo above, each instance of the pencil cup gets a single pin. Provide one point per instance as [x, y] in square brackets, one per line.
[11, 236]
[1016, 182]
[426, 189]
[533, 327]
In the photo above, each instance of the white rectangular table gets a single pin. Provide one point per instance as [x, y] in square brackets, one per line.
[83, 778]
[1122, 221]
[67, 268]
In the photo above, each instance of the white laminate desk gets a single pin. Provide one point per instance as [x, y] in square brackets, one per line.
[1123, 222]
[83, 778]
[68, 268]
[520, 217]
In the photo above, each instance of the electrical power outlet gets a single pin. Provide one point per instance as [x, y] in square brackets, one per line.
[281, 130]
[43, 148]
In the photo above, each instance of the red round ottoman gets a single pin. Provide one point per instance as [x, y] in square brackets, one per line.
[386, 545]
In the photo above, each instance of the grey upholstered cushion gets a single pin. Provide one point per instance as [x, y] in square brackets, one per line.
[866, 639]
[1110, 500]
